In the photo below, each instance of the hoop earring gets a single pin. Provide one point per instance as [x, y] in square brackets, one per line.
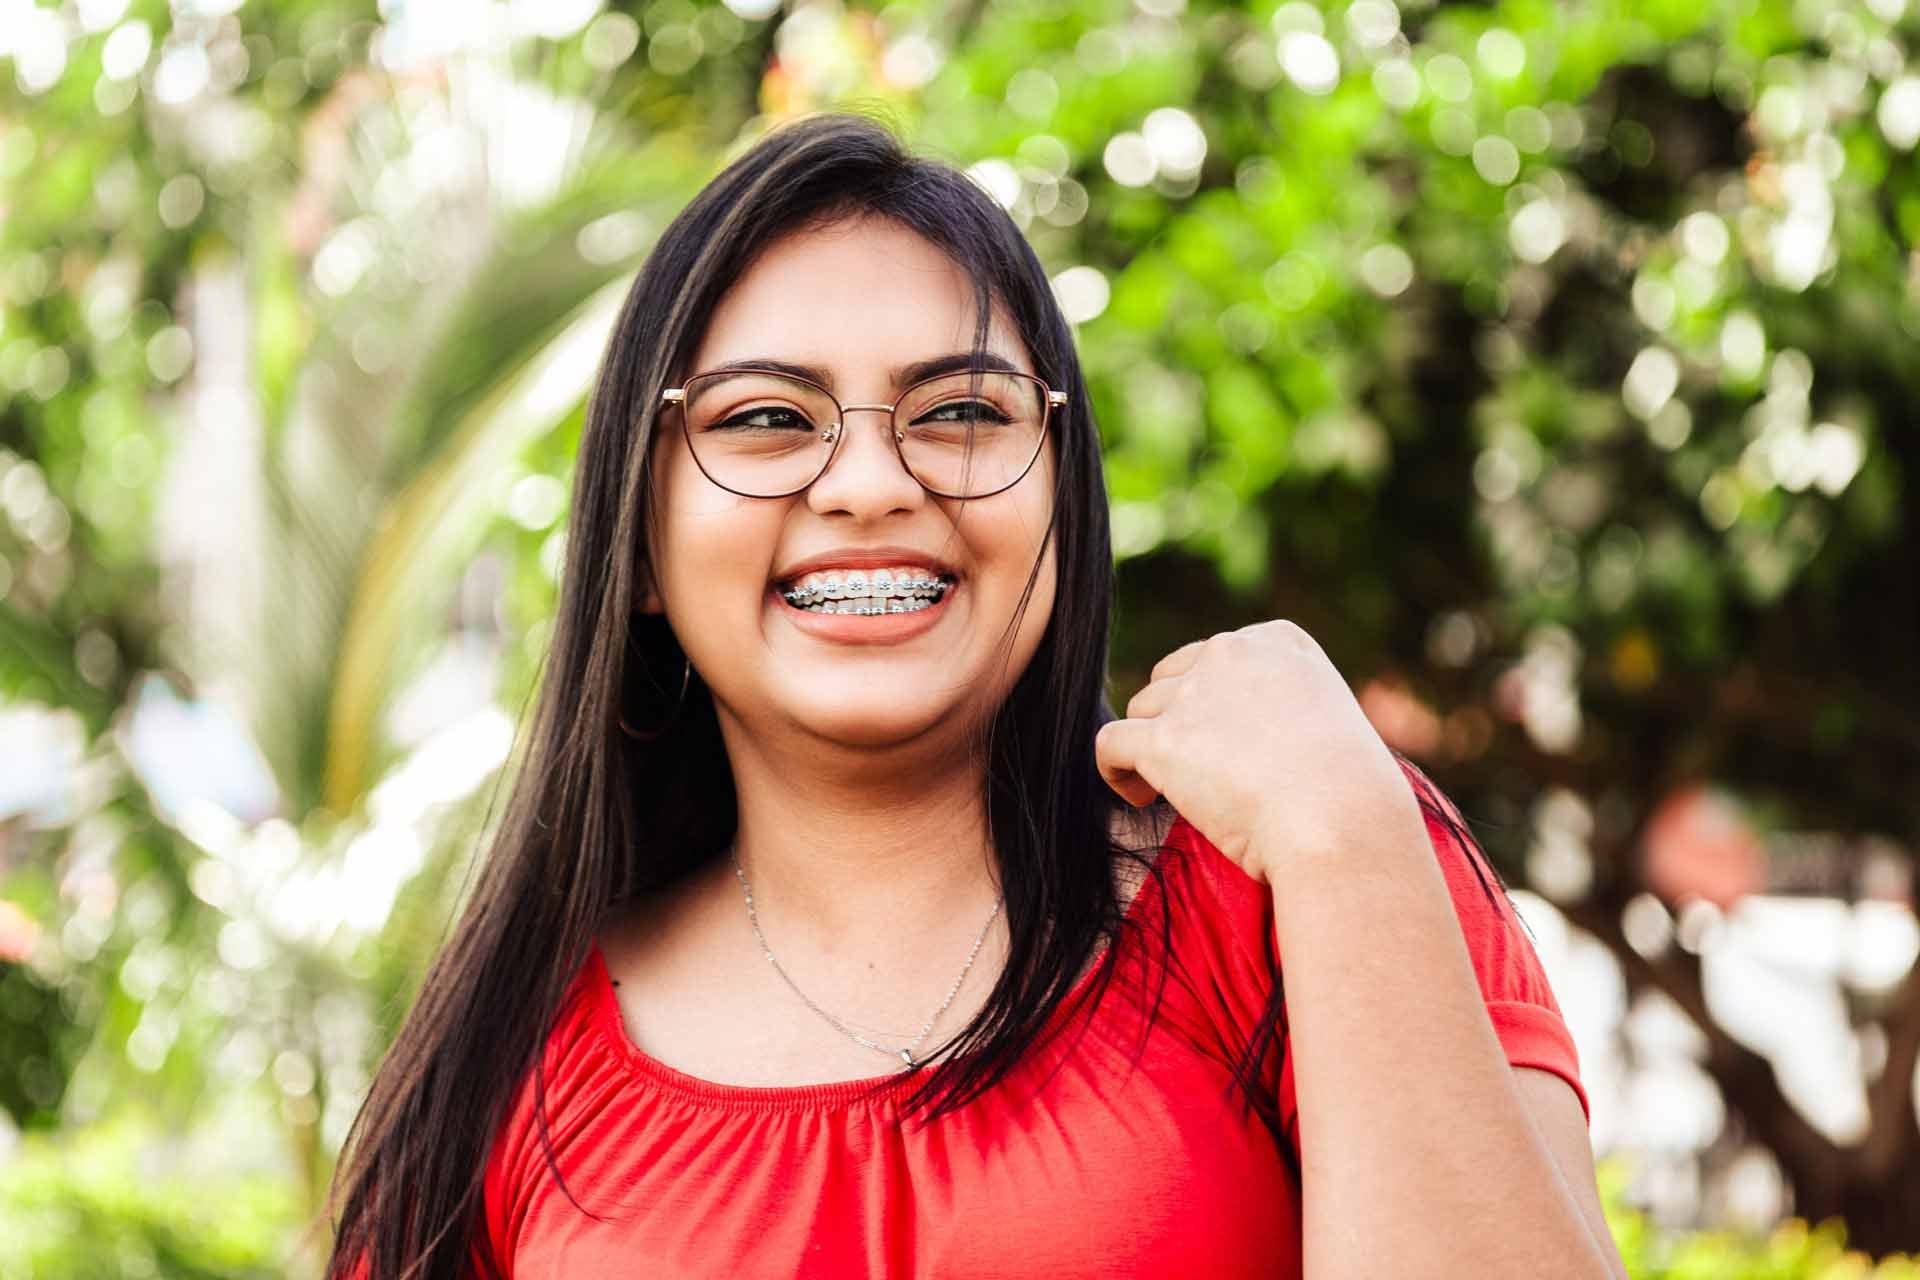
[673, 713]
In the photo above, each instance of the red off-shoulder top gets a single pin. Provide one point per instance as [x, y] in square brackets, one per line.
[1087, 1162]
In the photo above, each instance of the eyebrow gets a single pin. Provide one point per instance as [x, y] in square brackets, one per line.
[903, 375]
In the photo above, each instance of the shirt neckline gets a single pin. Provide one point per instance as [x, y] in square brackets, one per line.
[604, 1013]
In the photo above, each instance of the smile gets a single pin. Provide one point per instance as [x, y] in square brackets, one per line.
[883, 591]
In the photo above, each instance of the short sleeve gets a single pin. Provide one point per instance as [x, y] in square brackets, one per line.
[1519, 1000]
[1245, 961]
[1519, 997]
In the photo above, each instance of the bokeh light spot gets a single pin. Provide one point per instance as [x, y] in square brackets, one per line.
[1082, 293]
[1309, 61]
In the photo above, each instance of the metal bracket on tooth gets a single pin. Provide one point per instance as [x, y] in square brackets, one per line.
[803, 596]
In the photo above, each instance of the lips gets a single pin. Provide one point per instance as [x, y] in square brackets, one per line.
[866, 560]
[866, 595]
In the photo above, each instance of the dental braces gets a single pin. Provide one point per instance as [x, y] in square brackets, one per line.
[865, 610]
[856, 586]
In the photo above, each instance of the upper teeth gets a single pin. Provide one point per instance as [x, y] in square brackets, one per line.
[878, 584]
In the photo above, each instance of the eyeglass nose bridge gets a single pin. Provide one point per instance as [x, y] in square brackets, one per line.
[832, 433]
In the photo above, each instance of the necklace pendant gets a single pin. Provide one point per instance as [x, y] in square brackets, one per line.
[906, 1056]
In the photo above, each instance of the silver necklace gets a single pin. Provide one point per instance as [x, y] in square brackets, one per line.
[905, 1052]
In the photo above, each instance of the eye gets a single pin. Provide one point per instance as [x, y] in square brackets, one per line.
[769, 417]
[971, 410]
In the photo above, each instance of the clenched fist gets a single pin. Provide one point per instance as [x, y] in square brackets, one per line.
[1255, 738]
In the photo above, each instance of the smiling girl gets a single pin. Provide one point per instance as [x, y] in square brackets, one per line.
[837, 927]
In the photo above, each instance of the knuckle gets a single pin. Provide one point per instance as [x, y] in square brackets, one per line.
[1286, 631]
[1226, 649]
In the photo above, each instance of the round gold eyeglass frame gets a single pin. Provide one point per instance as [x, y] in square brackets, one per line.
[832, 432]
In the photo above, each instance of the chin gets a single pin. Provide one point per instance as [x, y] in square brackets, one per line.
[870, 718]
[872, 723]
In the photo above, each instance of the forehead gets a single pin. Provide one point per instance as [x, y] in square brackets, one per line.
[856, 298]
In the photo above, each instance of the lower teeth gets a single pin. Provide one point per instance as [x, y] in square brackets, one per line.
[869, 610]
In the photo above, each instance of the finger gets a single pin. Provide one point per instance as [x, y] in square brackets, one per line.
[1134, 789]
[1116, 751]
[1130, 786]
[1154, 698]
[1176, 663]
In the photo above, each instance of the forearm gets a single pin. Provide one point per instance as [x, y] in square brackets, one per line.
[1417, 1154]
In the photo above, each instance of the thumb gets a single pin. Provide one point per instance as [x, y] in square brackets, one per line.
[1116, 752]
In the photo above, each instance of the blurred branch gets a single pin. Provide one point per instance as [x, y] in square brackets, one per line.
[1891, 1132]
[1748, 1080]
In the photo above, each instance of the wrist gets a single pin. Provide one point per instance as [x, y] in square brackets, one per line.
[1282, 850]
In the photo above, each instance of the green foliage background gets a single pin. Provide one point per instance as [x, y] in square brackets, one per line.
[1550, 362]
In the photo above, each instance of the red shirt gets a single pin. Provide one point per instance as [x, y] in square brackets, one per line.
[1100, 1171]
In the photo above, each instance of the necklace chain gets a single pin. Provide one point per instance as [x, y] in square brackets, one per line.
[904, 1052]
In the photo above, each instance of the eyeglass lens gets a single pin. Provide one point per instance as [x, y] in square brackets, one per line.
[966, 434]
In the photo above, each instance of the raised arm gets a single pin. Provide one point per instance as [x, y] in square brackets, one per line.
[1423, 1152]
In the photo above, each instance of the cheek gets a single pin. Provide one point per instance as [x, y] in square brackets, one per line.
[1022, 542]
[705, 536]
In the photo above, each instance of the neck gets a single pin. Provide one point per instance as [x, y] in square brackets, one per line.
[853, 849]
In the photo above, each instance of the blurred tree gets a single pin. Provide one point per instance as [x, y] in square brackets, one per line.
[311, 302]
[1547, 362]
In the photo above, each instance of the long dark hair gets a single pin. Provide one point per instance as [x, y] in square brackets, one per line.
[598, 814]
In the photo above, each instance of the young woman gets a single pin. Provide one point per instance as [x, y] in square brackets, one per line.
[836, 927]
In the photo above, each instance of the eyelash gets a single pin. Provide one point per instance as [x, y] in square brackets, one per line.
[992, 412]
[736, 420]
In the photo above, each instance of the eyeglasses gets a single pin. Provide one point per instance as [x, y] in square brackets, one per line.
[769, 435]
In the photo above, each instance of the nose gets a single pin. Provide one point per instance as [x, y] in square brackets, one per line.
[866, 476]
